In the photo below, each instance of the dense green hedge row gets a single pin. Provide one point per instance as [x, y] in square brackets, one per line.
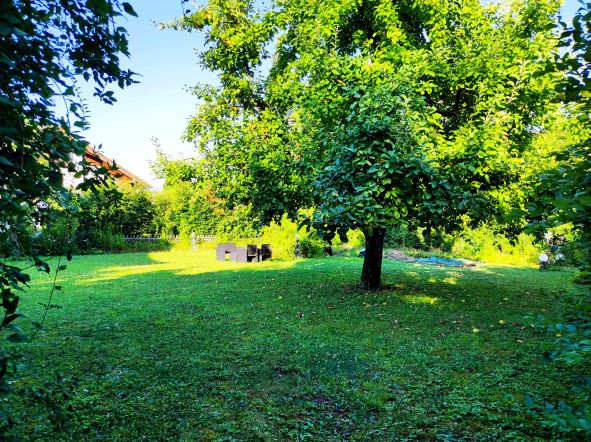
[100, 221]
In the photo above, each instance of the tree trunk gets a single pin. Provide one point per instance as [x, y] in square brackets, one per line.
[371, 275]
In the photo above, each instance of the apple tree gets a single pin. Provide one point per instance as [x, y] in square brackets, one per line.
[375, 111]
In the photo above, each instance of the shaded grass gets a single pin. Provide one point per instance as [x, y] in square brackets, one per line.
[176, 346]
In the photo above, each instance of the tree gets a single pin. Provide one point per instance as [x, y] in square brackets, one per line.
[126, 209]
[378, 172]
[568, 186]
[566, 191]
[45, 48]
[251, 153]
[470, 121]
[174, 171]
[463, 88]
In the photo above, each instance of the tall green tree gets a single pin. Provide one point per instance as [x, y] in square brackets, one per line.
[251, 152]
[475, 76]
[46, 47]
[360, 97]
[565, 197]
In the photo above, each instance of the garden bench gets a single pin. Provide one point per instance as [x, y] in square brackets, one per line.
[252, 253]
[240, 255]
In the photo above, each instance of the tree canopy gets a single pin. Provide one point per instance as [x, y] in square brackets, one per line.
[374, 111]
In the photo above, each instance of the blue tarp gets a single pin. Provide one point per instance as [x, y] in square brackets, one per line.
[441, 261]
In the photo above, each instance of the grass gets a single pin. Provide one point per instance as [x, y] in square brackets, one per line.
[176, 346]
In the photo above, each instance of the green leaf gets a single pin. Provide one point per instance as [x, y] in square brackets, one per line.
[10, 318]
[18, 334]
[129, 9]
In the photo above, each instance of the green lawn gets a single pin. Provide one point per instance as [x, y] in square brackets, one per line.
[176, 346]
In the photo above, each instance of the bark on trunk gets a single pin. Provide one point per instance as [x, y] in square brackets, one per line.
[371, 275]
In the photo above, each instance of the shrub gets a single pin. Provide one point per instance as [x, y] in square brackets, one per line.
[59, 236]
[127, 209]
[355, 239]
[486, 243]
[403, 236]
[238, 224]
[282, 237]
[186, 208]
[312, 247]
[106, 239]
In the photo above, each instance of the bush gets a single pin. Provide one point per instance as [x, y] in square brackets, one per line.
[186, 208]
[127, 209]
[59, 236]
[403, 237]
[355, 239]
[282, 237]
[484, 243]
[106, 239]
[312, 247]
[238, 224]
[487, 244]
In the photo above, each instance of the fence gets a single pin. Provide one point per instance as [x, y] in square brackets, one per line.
[131, 239]
[205, 238]
[194, 239]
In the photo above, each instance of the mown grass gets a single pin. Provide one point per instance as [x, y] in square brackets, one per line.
[176, 346]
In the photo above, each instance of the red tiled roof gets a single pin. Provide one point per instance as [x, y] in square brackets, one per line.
[120, 173]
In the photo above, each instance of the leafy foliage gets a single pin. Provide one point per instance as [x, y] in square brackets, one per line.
[284, 236]
[126, 209]
[174, 171]
[377, 174]
[45, 47]
[568, 194]
[341, 105]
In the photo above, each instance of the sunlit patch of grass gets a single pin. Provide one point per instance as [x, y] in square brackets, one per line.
[419, 299]
[509, 260]
[184, 263]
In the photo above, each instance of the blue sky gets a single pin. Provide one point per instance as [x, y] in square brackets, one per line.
[159, 106]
